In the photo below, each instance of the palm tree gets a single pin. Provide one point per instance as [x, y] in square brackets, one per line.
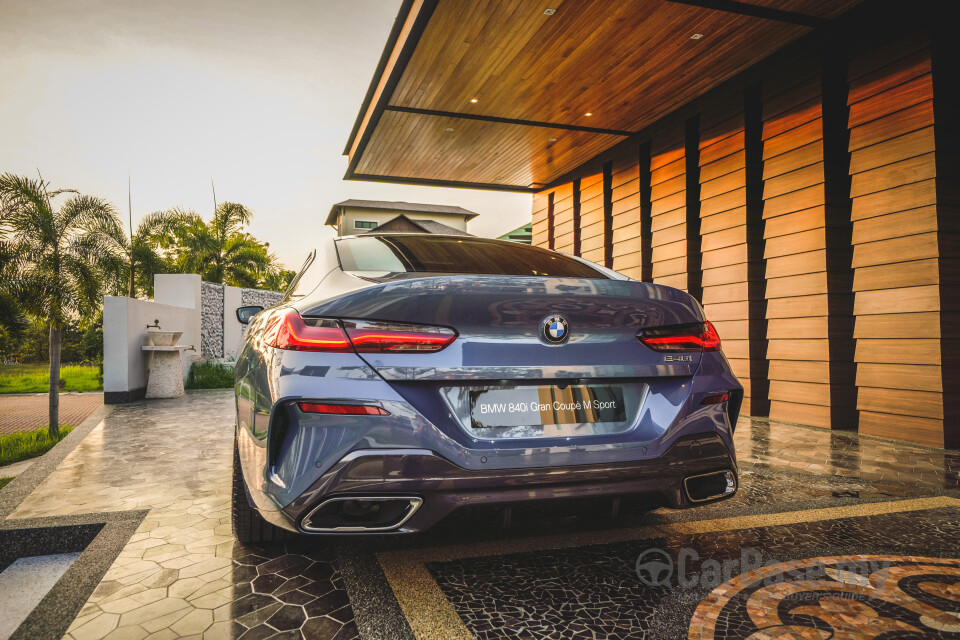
[278, 281]
[219, 250]
[142, 256]
[61, 258]
[11, 315]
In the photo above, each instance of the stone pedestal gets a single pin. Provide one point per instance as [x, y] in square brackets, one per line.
[165, 379]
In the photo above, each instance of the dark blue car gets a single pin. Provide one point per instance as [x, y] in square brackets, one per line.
[405, 376]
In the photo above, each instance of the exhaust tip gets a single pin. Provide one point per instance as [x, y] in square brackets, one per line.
[357, 514]
[710, 486]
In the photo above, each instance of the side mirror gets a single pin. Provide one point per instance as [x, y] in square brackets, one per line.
[245, 314]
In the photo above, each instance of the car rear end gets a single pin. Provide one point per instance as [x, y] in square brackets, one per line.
[387, 398]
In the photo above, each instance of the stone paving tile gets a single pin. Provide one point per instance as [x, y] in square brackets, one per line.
[594, 591]
[27, 412]
[182, 574]
[815, 580]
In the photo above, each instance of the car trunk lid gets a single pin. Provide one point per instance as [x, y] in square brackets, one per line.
[500, 322]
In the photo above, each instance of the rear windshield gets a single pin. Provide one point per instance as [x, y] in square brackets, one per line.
[443, 254]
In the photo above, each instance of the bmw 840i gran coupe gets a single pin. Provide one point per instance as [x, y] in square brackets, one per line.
[406, 376]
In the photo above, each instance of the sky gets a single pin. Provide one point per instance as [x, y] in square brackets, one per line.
[257, 96]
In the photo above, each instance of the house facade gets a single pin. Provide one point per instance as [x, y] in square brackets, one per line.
[352, 217]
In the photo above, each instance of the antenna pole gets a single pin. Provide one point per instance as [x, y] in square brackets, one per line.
[43, 186]
[214, 195]
[133, 289]
[130, 206]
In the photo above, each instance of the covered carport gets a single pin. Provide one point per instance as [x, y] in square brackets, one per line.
[790, 163]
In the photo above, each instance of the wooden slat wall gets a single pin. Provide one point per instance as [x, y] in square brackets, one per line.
[723, 232]
[668, 177]
[541, 229]
[794, 202]
[895, 240]
[627, 243]
[946, 92]
[858, 246]
[591, 218]
[563, 218]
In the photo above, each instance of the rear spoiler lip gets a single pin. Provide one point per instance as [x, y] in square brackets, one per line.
[346, 289]
[418, 275]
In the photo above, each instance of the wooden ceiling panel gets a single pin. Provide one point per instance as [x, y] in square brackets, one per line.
[421, 147]
[628, 64]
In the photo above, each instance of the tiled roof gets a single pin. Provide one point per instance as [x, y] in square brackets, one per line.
[430, 226]
[396, 206]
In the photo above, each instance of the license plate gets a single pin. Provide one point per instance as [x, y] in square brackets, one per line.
[499, 407]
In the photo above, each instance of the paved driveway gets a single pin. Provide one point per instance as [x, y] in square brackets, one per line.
[27, 412]
[829, 534]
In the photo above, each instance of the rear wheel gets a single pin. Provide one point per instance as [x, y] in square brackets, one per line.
[248, 525]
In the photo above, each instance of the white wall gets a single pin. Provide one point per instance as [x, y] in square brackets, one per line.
[182, 290]
[178, 305]
[177, 289]
[125, 323]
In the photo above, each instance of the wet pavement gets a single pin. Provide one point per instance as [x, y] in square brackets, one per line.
[830, 535]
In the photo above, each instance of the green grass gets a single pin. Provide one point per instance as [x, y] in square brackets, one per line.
[210, 375]
[34, 378]
[15, 447]
[5, 481]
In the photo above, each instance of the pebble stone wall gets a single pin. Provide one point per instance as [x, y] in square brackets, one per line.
[260, 297]
[211, 320]
[212, 314]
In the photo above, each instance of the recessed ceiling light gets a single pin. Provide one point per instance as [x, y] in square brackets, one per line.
[553, 139]
[549, 12]
[696, 36]
[473, 100]
[449, 129]
[588, 113]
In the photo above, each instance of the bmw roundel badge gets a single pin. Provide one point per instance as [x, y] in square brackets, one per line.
[555, 329]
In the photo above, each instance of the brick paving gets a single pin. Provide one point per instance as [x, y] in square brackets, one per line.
[27, 412]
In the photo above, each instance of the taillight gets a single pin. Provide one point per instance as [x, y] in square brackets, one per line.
[716, 399]
[287, 330]
[342, 409]
[696, 336]
[387, 337]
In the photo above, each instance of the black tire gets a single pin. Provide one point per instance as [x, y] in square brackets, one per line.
[248, 525]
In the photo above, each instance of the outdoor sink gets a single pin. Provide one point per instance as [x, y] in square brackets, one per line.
[164, 338]
[164, 379]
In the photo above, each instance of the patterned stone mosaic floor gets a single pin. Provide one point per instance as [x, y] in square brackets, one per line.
[873, 526]
[855, 538]
[855, 577]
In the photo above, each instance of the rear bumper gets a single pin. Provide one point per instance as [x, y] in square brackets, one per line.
[441, 487]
